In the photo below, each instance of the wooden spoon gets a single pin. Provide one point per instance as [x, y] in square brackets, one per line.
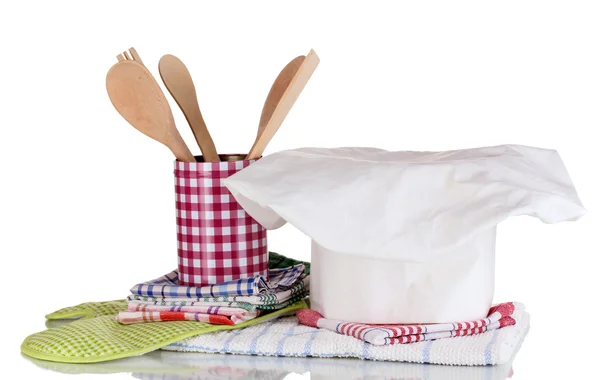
[285, 104]
[281, 83]
[135, 94]
[178, 81]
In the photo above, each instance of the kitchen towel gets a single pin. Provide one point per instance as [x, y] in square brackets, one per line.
[168, 285]
[99, 338]
[499, 316]
[96, 336]
[286, 337]
[220, 316]
[262, 300]
[211, 310]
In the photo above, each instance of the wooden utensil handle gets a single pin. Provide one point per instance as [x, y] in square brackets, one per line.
[286, 103]
[201, 134]
[180, 149]
[178, 81]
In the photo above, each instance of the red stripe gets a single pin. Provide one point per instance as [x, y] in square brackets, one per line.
[352, 328]
[171, 316]
[361, 331]
[358, 330]
[394, 330]
[219, 320]
[345, 327]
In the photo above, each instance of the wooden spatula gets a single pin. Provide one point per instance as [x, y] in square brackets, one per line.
[178, 81]
[286, 101]
[278, 88]
[135, 94]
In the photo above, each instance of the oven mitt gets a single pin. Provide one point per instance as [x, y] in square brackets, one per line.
[96, 336]
[101, 338]
[89, 310]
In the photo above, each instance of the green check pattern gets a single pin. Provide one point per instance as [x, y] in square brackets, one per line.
[279, 261]
[102, 338]
[96, 336]
[89, 310]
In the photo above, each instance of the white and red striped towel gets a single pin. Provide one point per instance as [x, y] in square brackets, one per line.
[499, 316]
[286, 337]
[216, 315]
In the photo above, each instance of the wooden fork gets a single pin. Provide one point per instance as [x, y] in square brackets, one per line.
[130, 55]
[136, 95]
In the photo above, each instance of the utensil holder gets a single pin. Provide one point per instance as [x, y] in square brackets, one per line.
[217, 241]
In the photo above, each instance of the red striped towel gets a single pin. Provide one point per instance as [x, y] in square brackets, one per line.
[214, 315]
[499, 316]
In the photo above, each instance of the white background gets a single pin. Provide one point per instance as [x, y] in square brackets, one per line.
[87, 203]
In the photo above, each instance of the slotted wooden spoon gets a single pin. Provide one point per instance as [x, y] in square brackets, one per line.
[136, 95]
[178, 81]
[300, 68]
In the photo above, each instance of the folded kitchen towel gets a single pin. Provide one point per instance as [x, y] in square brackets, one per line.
[215, 316]
[168, 285]
[286, 337]
[499, 316]
[266, 301]
[209, 310]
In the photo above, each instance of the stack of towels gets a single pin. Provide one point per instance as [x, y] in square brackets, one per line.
[234, 302]
[229, 303]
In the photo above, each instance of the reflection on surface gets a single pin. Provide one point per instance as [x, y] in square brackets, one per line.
[167, 365]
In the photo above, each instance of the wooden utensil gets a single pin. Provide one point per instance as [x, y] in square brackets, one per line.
[279, 86]
[178, 81]
[136, 95]
[286, 101]
[130, 54]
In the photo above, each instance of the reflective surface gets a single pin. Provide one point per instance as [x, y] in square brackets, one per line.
[178, 366]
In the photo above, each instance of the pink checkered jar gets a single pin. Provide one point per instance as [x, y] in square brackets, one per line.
[217, 241]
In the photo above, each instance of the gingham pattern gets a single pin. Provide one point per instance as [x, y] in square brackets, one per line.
[170, 285]
[499, 316]
[298, 290]
[217, 241]
[89, 310]
[280, 261]
[285, 277]
[261, 302]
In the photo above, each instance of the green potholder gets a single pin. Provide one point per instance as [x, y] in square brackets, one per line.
[96, 336]
[91, 340]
